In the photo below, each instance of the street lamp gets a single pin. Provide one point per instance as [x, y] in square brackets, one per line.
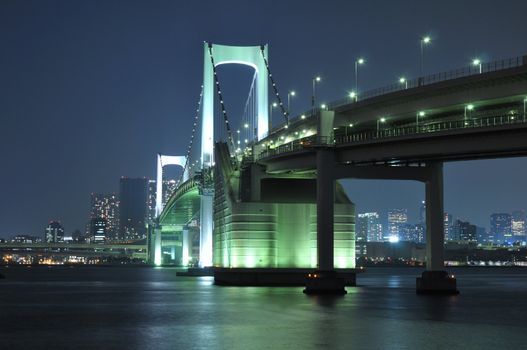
[289, 94]
[468, 107]
[316, 79]
[246, 125]
[382, 120]
[417, 115]
[358, 61]
[477, 62]
[272, 106]
[402, 80]
[353, 96]
[424, 41]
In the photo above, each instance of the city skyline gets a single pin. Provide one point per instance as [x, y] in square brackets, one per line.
[132, 84]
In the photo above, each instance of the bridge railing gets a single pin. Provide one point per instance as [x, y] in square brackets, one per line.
[432, 79]
[430, 127]
[305, 143]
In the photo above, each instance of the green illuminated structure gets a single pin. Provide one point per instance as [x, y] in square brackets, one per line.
[269, 221]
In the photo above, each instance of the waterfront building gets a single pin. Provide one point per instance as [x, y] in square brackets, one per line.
[54, 232]
[396, 219]
[370, 226]
[464, 231]
[500, 228]
[105, 206]
[98, 232]
[518, 226]
[448, 227]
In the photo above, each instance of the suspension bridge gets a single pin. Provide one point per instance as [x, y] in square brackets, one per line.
[265, 199]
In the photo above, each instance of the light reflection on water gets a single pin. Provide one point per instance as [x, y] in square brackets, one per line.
[142, 308]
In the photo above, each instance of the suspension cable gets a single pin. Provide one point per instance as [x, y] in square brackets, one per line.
[223, 110]
[188, 163]
[284, 112]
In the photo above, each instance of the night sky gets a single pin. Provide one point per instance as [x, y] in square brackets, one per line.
[91, 90]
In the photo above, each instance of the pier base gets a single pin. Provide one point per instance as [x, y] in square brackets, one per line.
[436, 282]
[324, 282]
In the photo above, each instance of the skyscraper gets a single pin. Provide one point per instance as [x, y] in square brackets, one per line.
[133, 208]
[98, 230]
[369, 226]
[518, 226]
[54, 232]
[448, 227]
[106, 206]
[396, 219]
[464, 231]
[500, 227]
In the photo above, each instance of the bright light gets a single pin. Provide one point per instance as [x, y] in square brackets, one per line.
[470, 107]
[402, 80]
[245, 125]
[352, 94]
[393, 239]
[421, 114]
[286, 126]
[304, 131]
[246, 141]
[351, 125]
[361, 61]
[383, 120]
[426, 39]
[238, 131]
[323, 106]
[275, 104]
[302, 116]
[292, 93]
[282, 137]
[318, 79]
[476, 62]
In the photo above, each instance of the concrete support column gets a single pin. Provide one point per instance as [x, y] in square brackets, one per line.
[435, 280]
[325, 203]
[205, 235]
[325, 280]
[435, 218]
[185, 247]
[157, 246]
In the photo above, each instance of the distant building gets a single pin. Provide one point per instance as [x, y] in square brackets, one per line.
[464, 231]
[422, 213]
[518, 226]
[482, 236]
[25, 239]
[98, 231]
[448, 227]
[54, 232]
[396, 219]
[500, 228]
[77, 237]
[106, 206]
[133, 208]
[370, 226]
[169, 186]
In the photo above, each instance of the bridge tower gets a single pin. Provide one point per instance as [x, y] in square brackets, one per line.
[215, 55]
[162, 161]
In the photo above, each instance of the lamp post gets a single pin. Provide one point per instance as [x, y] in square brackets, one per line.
[524, 102]
[477, 62]
[417, 115]
[358, 62]
[403, 81]
[424, 41]
[353, 96]
[382, 120]
[468, 107]
[289, 95]
[315, 80]
[271, 108]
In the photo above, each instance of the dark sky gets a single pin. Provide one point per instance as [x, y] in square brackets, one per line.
[92, 90]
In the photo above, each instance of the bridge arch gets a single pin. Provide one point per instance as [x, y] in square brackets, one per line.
[224, 54]
[162, 161]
